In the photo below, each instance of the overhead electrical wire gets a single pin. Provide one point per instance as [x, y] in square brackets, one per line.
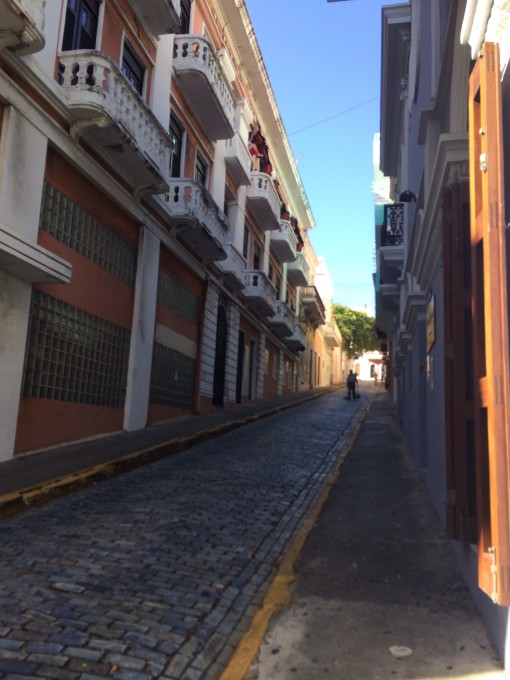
[335, 115]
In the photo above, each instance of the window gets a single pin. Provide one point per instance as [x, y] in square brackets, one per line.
[270, 271]
[177, 139]
[80, 27]
[200, 170]
[246, 242]
[256, 256]
[133, 68]
[185, 16]
[278, 284]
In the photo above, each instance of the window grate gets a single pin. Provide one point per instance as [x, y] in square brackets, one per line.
[173, 378]
[77, 229]
[74, 356]
[178, 298]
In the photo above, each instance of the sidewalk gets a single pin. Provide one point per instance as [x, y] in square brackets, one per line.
[377, 593]
[32, 478]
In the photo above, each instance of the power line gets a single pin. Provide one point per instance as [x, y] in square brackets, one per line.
[335, 115]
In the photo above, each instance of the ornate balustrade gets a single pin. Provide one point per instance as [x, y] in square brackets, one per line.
[106, 110]
[200, 78]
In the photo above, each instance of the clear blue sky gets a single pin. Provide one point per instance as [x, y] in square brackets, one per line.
[324, 62]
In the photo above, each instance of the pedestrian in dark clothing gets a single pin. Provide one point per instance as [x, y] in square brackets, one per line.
[351, 385]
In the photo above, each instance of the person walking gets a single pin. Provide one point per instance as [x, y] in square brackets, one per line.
[352, 382]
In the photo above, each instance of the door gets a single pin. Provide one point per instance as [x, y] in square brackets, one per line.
[490, 325]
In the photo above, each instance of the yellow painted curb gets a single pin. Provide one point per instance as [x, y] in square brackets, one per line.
[280, 590]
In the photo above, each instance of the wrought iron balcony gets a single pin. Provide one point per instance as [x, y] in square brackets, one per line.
[284, 242]
[312, 307]
[196, 220]
[298, 271]
[282, 323]
[200, 78]
[259, 293]
[263, 201]
[22, 25]
[238, 160]
[391, 252]
[233, 267]
[160, 16]
[297, 341]
[392, 230]
[107, 112]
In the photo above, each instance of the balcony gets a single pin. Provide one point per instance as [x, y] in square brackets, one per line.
[312, 307]
[110, 116]
[160, 16]
[233, 268]
[238, 160]
[259, 293]
[284, 242]
[21, 26]
[263, 201]
[298, 271]
[332, 335]
[196, 220]
[30, 262]
[391, 251]
[200, 79]
[282, 323]
[297, 341]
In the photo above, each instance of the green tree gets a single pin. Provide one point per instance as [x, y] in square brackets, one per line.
[357, 330]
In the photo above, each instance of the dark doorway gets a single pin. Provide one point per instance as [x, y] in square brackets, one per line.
[240, 367]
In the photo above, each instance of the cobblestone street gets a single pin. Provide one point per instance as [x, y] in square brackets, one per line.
[158, 572]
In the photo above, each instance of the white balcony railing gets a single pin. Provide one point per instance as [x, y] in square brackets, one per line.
[282, 323]
[238, 160]
[298, 271]
[259, 293]
[297, 341]
[22, 25]
[233, 267]
[284, 242]
[196, 219]
[109, 113]
[263, 201]
[201, 80]
[160, 16]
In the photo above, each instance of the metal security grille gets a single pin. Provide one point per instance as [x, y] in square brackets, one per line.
[74, 356]
[73, 226]
[173, 378]
[178, 298]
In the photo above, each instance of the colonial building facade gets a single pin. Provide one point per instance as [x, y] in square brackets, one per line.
[154, 256]
[442, 273]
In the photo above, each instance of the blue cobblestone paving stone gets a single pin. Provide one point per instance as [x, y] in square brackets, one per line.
[158, 572]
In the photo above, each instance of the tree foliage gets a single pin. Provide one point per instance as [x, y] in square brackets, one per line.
[357, 330]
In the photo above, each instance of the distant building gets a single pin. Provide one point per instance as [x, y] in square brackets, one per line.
[154, 258]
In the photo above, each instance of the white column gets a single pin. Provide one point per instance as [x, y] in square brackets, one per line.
[160, 93]
[22, 163]
[233, 317]
[142, 332]
[259, 388]
[208, 348]
[267, 247]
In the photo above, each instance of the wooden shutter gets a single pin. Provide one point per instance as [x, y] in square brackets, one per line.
[459, 386]
[490, 324]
